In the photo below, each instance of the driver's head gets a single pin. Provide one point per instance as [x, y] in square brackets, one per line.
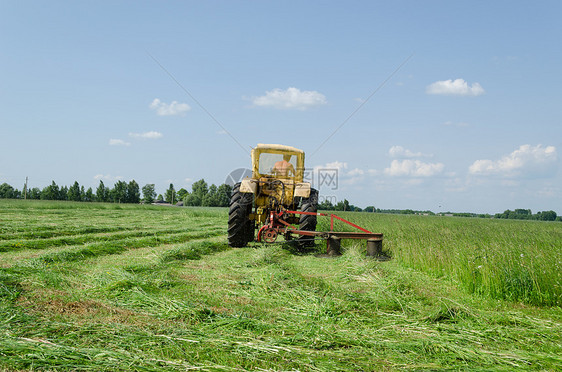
[287, 158]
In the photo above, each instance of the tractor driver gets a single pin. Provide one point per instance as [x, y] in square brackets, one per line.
[283, 168]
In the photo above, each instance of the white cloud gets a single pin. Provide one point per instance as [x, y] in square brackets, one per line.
[356, 172]
[147, 135]
[291, 98]
[457, 87]
[413, 168]
[169, 109]
[107, 177]
[335, 165]
[527, 161]
[402, 153]
[118, 142]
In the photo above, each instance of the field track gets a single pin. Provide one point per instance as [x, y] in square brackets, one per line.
[92, 286]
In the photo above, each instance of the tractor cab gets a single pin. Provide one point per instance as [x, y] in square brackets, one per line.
[277, 161]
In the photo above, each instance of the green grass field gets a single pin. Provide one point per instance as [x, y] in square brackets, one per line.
[87, 286]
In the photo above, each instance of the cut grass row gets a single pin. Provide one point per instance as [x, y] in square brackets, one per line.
[224, 309]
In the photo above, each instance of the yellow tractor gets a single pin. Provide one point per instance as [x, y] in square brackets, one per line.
[276, 192]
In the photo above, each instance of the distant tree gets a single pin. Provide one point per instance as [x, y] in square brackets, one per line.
[63, 193]
[211, 198]
[546, 216]
[181, 194]
[160, 198]
[74, 192]
[102, 193]
[518, 214]
[6, 191]
[369, 209]
[200, 187]
[170, 195]
[133, 192]
[326, 205]
[34, 193]
[148, 193]
[89, 195]
[50, 192]
[198, 191]
[193, 200]
[119, 192]
[224, 192]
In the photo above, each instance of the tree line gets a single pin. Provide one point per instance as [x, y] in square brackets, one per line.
[125, 192]
[526, 214]
[517, 214]
[214, 196]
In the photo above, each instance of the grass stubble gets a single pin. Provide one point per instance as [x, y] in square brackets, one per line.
[172, 295]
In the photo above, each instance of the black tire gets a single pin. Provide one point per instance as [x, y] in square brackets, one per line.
[307, 222]
[240, 227]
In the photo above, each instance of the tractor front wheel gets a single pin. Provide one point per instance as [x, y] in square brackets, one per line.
[240, 227]
[307, 222]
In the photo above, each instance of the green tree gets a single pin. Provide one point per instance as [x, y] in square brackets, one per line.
[326, 205]
[6, 191]
[34, 193]
[102, 193]
[200, 188]
[74, 192]
[198, 191]
[50, 192]
[133, 192]
[149, 193]
[193, 200]
[211, 198]
[224, 193]
[63, 193]
[119, 192]
[546, 216]
[170, 195]
[89, 195]
[182, 193]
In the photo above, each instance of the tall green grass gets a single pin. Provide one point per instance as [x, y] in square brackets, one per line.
[513, 260]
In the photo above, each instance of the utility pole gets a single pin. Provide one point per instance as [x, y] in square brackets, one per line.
[25, 189]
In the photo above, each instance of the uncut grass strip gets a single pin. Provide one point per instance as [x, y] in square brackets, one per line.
[115, 247]
[44, 232]
[52, 232]
[8, 259]
[7, 246]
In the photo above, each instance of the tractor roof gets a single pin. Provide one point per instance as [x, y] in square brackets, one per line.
[262, 146]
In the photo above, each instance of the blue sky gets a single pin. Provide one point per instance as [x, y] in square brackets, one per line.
[471, 122]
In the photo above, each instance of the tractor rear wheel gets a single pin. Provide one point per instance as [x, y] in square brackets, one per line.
[240, 227]
[307, 222]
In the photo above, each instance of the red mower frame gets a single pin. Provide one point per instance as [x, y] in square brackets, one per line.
[276, 225]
